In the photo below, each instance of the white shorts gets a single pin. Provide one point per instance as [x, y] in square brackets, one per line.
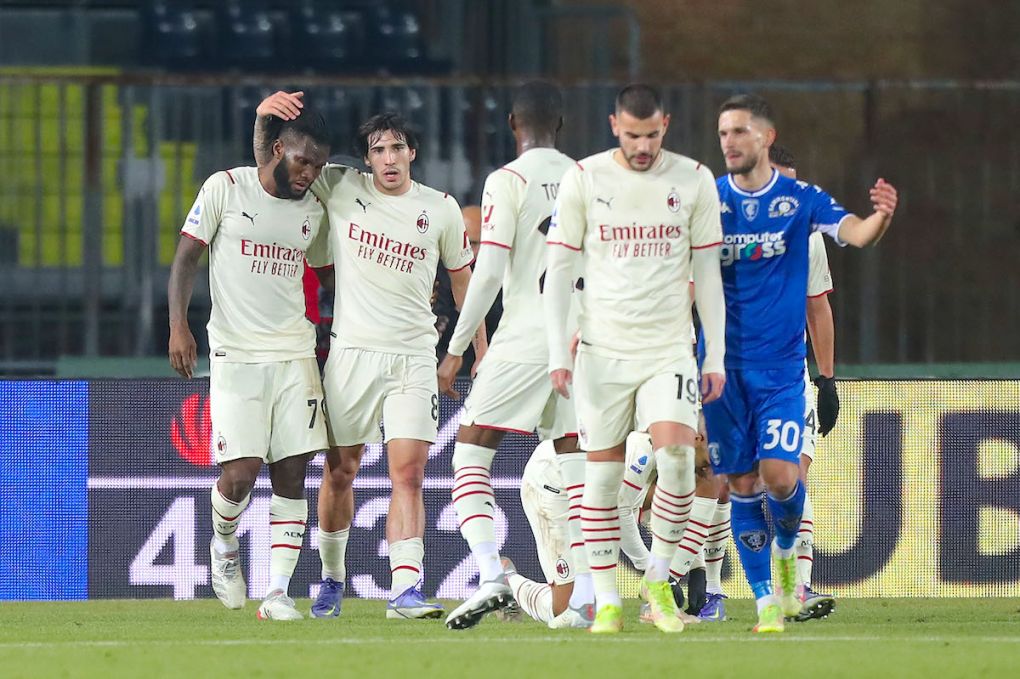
[810, 419]
[518, 397]
[266, 410]
[546, 506]
[617, 396]
[364, 387]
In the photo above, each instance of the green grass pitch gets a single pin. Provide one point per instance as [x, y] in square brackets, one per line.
[929, 638]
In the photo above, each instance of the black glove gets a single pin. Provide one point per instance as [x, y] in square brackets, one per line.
[828, 403]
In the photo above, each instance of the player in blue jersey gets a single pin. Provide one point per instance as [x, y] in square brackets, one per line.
[755, 428]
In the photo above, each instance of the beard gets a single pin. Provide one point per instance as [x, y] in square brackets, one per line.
[282, 178]
[631, 161]
[744, 167]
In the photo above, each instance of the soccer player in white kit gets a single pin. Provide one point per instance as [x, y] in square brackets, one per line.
[512, 392]
[819, 418]
[265, 395]
[388, 236]
[642, 219]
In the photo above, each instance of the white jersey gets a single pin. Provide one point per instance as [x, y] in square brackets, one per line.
[517, 206]
[257, 247]
[386, 250]
[819, 280]
[637, 231]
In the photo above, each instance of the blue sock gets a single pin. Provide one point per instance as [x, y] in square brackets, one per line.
[786, 515]
[751, 534]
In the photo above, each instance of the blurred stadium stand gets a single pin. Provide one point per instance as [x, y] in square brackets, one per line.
[102, 158]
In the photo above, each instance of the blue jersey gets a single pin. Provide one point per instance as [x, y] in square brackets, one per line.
[765, 267]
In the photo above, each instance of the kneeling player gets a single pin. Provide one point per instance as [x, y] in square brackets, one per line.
[546, 504]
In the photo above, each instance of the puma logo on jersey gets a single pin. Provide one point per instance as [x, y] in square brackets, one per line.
[251, 218]
[607, 203]
[364, 206]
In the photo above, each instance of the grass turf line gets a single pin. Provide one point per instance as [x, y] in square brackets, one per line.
[929, 638]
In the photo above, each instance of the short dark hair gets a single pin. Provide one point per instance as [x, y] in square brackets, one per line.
[538, 105]
[382, 122]
[310, 123]
[758, 107]
[640, 100]
[782, 156]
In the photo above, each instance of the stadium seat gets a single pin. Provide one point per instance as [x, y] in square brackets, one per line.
[248, 38]
[173, 35]
[329, 37]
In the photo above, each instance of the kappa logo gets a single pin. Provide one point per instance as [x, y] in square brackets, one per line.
[423, 222]
[306, 229]
[749, 206]
[713, 454]
[562, 568]
[673, 201]
[249, 217]
[755, 540]
[363, 205]
[783, 206]
[724, 209]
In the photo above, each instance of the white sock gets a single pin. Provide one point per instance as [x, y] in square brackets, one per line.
[690, 550]
[406, 558]
[534, 598]
[715, 548]
[805, 544]
[333, 553]
[671, 506]
[572, 467]
[226, 514]
[766, 600]
[474, 502]
[287, 518]
[600, 522]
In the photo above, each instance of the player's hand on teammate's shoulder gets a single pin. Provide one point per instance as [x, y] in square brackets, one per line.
[561, 380]
[447, 374]
[712, 385]
[183, 352]
[884, 197]
[285, 105]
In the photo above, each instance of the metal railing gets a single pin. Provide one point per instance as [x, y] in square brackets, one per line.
[100, 170]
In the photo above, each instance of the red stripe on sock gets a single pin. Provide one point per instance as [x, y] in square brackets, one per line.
[406, 568]
[806, 558]
[227, 518]
[692, 551]
[287, 546]
[662, 539]
[602, 568]
[611, 518]
[474, 492]
[475, 516]
[579, 485]
[599, 530]
[285, 523]
[628, 483]
[660, 489]
[714, 560]
[603, 540]
[599, 509]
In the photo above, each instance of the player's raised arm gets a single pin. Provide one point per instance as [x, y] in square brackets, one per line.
[706, 237]
[283, 105]
[564, 243]
[862, 232]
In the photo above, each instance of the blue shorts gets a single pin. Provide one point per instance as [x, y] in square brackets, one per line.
[760, 415]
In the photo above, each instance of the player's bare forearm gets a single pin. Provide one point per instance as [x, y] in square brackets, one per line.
[259, 146]
[182, 350]
[459, 281]
[862, 232]
[182, 279]
[823, 333]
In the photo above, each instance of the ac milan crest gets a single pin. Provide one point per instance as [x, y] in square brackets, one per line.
[423, 222]
[306, 229]
[673, 201]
